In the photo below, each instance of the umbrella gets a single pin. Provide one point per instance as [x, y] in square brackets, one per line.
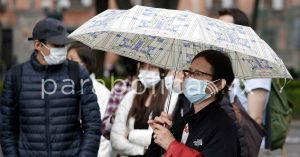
[171, 38]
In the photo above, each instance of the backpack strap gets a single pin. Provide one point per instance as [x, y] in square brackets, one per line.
[17, 81]
[74, 74]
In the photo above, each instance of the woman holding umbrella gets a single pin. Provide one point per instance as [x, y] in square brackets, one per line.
[206, 130]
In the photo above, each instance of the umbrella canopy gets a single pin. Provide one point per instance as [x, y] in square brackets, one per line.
[170, 39]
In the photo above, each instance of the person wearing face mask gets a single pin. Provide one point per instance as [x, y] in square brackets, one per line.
[182, 104]
[130, 134]
[206, 131]
[173, 83]
[41, 108]
[84, 55]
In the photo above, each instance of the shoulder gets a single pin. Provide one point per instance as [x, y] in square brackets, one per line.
[83, 73]
[15, 68]
[99, 86]
[264, 83]
[222, 120]
[130, 95]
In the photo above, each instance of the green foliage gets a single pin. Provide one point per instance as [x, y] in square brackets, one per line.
[110, 82]
[293, 92]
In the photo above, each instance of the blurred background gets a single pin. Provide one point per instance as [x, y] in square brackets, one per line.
[276, 21]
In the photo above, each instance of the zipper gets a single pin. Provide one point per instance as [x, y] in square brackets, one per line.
[48, 144]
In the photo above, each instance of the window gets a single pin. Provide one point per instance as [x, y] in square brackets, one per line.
[278, 5]
[227, 3]
[6, 50]
[296, 33]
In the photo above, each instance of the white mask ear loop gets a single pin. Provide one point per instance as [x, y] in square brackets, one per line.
[212, 87]
[46, 48]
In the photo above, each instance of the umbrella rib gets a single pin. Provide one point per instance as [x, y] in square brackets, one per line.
[171, 51]
[170, 95]
[239, 64]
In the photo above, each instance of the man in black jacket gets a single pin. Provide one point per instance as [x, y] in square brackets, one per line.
[42, 118]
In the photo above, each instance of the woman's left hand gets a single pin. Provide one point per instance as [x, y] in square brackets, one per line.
[162, 136]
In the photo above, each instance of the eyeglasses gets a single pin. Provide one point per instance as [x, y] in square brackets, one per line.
[195, 73]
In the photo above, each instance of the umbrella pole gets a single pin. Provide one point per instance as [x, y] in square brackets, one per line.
[171, 92]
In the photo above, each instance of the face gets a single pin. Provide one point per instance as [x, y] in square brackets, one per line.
[149, 67]
[179, 74]
[200, 69]
[226, 18]
[111, 58]
[179, 77]
[73, 56]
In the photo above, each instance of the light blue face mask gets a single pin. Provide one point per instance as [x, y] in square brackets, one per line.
[194, 90]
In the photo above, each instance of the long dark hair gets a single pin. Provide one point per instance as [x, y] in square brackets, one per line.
[138, 109]
[222, 68]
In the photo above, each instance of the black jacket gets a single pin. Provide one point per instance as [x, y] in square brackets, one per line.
[211, 132]
[49, 126]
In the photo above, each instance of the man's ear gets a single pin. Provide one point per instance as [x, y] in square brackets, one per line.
[37, 45]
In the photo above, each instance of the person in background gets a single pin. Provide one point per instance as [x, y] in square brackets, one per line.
[119, 90]
[174, 86]
[253, 93]
[206, 130]
[84, 56]
[130, 134]
[111, 66]
[182, 105]
[41, 117]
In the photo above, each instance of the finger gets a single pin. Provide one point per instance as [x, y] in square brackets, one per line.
[163, 120]
[157, 132]
[157, 141]
[155, 136]
[158, 127]
[150, 121]
[159, 120]
[166, 115]
[166, 121]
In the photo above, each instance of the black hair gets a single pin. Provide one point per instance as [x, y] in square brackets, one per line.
[138, 109]
[222, 68]
[86, 55]
[239, 17]
[131, 66]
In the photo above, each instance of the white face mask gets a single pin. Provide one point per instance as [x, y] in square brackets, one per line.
[56, 56]
[176, 85]
[149, 78]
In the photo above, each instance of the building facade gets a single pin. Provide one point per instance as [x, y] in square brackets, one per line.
[278, 21]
